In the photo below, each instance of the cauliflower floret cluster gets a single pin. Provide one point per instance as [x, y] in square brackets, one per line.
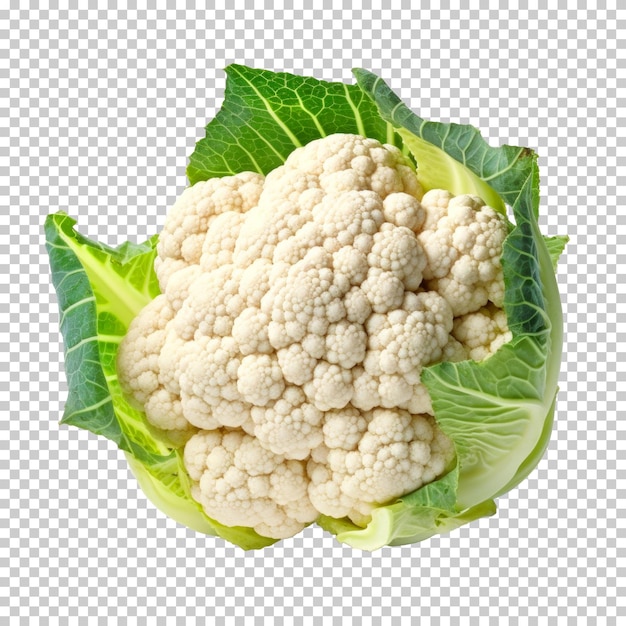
[297, 312]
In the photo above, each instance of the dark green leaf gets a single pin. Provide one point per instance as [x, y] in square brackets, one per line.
[266, 116]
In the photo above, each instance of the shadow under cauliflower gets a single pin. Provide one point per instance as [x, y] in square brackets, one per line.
[297, 312]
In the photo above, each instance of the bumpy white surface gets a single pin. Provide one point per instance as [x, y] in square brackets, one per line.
[297, 313]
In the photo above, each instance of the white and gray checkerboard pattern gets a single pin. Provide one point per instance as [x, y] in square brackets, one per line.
[100, 109]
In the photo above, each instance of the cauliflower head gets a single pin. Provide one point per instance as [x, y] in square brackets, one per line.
[297, 311]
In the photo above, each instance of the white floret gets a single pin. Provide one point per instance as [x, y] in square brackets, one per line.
[208, 380]
[346, 344]
[414, 335]
[138, 367]
[404, 209]
[139, 353]
[260, 379]
[211, 306]
[483, 332]
[331, 386]
[374, 457]
[384, 290]
[219, 242]
[395, 249]
[296, 364]
[240, 483]
[188, 220]
[250, 331]
[290, 425]
[463, 245]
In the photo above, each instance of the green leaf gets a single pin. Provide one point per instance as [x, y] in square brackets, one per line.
[266, 116]
[173, 497]
[429, 511]
[498, 412]
[555, 246]
[100, 290]
[451, 156]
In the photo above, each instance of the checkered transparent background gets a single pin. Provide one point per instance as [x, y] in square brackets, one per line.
[100, 109]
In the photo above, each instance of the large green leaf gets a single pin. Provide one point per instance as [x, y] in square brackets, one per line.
[266, 116]
[499, 412]
[169, 490]
[497, 175]
[100, 290]
[496, 411]
[431, 510]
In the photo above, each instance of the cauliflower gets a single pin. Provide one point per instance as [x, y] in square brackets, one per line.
[331, 327]
[297, 313]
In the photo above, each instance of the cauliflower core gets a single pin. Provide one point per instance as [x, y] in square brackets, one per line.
[297, 312]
